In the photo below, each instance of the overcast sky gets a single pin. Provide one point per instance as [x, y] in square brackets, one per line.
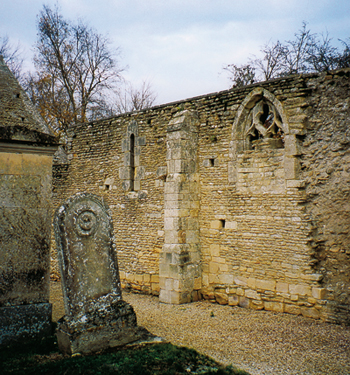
[180, 46]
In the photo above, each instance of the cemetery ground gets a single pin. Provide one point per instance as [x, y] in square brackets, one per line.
[42, 357]
[259, 342]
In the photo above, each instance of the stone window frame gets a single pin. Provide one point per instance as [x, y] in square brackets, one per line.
[132, 172]
[263, 124]
[240, 143]
[242, 126]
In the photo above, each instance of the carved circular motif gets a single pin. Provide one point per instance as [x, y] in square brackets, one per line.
[86, 223]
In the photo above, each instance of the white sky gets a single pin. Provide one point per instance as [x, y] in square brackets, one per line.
[180, 46]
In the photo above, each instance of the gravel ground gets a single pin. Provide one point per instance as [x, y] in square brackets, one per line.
[259, 342]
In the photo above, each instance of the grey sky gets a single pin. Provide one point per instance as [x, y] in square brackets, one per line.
[180, 46]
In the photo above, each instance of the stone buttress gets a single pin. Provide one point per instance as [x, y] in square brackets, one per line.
[179, 264]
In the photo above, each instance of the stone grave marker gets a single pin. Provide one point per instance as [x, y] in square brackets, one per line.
[96, 316]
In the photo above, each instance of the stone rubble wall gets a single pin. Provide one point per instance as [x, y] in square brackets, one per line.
[273, 222]
[325, 168]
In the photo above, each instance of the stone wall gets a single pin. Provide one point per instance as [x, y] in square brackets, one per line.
[325, 168]
[138, 213]
[239, 197]
[25, 192]
[25, 201]
[26, 151]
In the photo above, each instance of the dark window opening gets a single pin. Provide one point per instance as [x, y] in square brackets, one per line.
[265, 114]
[254, 135]
[17, 95]
[132, 161]
[222, 223]
[211, 162]
[107, 187]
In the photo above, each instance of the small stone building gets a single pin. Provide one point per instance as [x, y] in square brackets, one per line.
[26, 151]
[239, 197]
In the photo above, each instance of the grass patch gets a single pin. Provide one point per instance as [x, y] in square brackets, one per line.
[42, 357]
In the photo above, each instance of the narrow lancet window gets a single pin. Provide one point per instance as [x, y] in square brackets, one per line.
[132, 161]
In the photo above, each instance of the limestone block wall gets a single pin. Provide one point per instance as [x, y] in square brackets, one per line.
[98, 160]
[268, 220]
[262, 241]
[25, 200]
[25, 193]
[261, 172]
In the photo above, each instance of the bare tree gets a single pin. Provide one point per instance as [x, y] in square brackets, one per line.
[272, 64]
[323, 56]
[343, 59]
[130, 98]
[126, 98]
[12, 56]
[51, 100]
[241, 75]
[74, 66]
[299, 51]
[307, 52]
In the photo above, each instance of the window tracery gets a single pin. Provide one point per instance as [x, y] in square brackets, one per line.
[264, 122]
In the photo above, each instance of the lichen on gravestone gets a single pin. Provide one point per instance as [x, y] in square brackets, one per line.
[96, 316]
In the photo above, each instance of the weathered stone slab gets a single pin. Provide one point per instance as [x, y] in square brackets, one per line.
[86, 251]
[96, 316]
[25, 322]
[106, 322]
[25, 190]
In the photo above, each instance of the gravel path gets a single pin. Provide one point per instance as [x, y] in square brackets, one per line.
[259, 342]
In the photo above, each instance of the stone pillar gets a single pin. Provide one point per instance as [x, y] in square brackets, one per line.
[179, 264]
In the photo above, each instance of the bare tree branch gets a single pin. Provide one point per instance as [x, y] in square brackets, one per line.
[272, 65]
[343, 59]
[323, 56]
[299, 51]
[241, 75]
[74, 64]
[307, 52]
[12, 56]
[130, 98]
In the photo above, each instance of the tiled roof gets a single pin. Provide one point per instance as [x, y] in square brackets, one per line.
[16, 109]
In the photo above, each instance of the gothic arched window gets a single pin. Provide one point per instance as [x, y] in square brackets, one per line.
[264, 122]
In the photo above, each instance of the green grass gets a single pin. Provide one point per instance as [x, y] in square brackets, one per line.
[42, 357]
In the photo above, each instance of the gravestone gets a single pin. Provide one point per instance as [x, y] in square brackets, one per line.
[96, 316]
